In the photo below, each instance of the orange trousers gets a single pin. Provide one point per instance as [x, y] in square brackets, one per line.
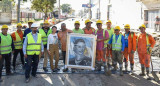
[100, 55]
[144, 59]
[131, 56]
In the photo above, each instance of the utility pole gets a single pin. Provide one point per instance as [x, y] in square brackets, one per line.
[99, 11]
[59, 11]
[90, 13]
[18, 12]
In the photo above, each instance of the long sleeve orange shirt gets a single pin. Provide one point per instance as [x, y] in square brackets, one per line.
[142, 43]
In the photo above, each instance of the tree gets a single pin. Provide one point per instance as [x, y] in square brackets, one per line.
[44, 6]
[66, 8]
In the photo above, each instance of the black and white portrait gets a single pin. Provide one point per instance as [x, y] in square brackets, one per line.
[80, 50]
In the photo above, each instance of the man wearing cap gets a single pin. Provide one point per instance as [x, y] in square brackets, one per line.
[130, 47]
[108, 50]
[28, 30]
[45, 31]
[32, 48]
[18, 43]
[77, 29]
[88, 29]
[62, 36]
[102, 35]
[118, 45]
[145, 45]
[6, 47]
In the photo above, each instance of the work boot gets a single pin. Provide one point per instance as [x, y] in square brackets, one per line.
[1, 80]
[107, 70]
[149, 78]
[27, 80]
[45, 69]
[115, 67]
[121, 72]
[132, 73]
[65, 69]
[142, 74]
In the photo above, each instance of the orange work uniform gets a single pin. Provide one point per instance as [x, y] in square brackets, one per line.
[89, 31]
[144, 57]
[131, 46]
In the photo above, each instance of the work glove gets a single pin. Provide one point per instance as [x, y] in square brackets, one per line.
[132, 52]
[149, 50]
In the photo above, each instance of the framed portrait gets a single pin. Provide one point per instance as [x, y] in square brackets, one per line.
[81, 51]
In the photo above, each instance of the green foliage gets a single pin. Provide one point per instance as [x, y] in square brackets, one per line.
[44, 6]
[66, 8]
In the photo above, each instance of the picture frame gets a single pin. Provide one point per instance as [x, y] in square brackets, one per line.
[80, 51]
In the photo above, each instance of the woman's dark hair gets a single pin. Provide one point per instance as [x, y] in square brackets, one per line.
[79, 40]
[54, 27]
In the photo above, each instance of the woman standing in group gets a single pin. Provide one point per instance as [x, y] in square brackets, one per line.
[52, 48]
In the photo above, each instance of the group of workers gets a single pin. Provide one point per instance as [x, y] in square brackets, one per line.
[112, 45]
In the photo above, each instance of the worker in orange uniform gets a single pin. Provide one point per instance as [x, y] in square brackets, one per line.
[88, 29]
[18, 43]
[130, 47]
[145, 45]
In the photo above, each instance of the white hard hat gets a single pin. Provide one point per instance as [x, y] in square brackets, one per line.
[34, 25]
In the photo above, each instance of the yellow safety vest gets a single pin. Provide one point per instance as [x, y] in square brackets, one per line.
[32, 47]
[18, 43]
[5, 45]
[44, 35]
[117, 45]
[110, 32]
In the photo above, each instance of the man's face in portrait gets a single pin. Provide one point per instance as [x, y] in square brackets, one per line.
[80, 48]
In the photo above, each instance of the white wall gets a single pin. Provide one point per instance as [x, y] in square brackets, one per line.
[126, 12]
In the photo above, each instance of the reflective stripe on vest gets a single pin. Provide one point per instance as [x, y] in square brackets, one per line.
[32, 47]
[18, 43]
[44, 35]
[117, 45]
[5, 46]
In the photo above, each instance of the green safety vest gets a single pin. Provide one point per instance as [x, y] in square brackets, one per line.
[18, 43]
[110, 32]
[32, 47]
[5, 45]
[117, 45]
[44, 35]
